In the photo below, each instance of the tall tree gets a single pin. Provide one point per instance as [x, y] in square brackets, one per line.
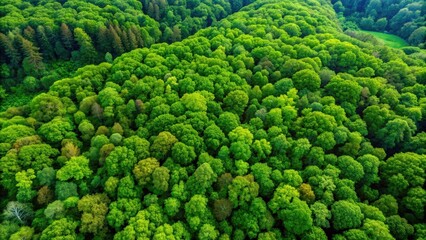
[11, 52]
[94, 208]
[138, 35]
[115, 40]
[29, 34]
[125, 40]
[103, 42]
[133, 41]
[88, 53]
[43, 42]
[67, 37]
[33, 61]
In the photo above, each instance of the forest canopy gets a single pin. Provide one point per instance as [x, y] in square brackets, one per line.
[271, 123]
[403, 18]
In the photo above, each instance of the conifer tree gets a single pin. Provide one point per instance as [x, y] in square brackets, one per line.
[125, 40]
[116, 41]
[176, 33]
[118, 29]
[33, 60]
[29, 34]
[43, 42]
[150, 9]
[88, 52]
[138, 35]
[133, 42]
[157, 12]
[11, 52]
[67, 37]
[103, 40]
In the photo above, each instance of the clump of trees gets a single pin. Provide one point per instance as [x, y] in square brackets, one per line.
[403, 18]
[271, 124]
[33, 34]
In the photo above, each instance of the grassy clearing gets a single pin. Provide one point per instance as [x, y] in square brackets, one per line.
[389, 40]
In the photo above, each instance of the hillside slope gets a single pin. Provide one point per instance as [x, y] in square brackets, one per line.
[403, 18]
[38, 37]
[273, 124]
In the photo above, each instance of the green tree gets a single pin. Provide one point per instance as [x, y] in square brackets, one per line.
[415, 201]
[387, 204]
[94, 209]
[33, 61]
[122, 210]
[370, 165]
[306, 79]
[376, 230]
[396, 131]
[144, 169]
[409, 166]
[77, 168]
[12, 133]
[88, 53]
[292, 29]
[87, 130]
[344, 90]
[297, 217]
[194, 102]
[55, 210]
[283, 196]
[24, 181]
[236, 101]
[418, 36]
[207, 232]
[109, 97]
[350, 168]
[117, 43]
[11, 51]
[7, 228]
[172, 206]
[67, 37]
[64, 190]
[262, 174]
[139, 146]
[202, 179]
[24, 232]
[214, 137]
[399, 227]
[242, 190]
[62, 228]
[346, 215]
[160, 180]
[240, 134]
[261, 150]
[44, 43]
[183, 154]
[227, 121]
[197, 213]
[120, 161]
[45, 107]
[57, 129]
[321, 215]
[162, 145]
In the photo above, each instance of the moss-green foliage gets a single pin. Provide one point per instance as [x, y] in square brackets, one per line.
[271, 124]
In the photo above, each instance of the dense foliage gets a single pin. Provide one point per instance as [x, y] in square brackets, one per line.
[271, 124]
[403, 18]
[36, 33]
